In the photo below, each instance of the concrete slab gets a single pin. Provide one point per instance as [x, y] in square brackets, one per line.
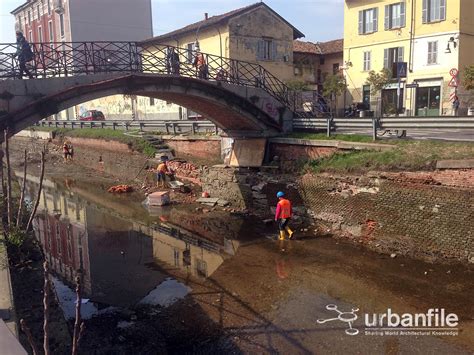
[248, 152]
[9, 343]
[455, 164]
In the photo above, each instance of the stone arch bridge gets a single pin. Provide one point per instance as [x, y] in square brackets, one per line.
[241, 98]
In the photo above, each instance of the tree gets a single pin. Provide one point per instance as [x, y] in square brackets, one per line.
[469, 77]
[297, 85]
[334, 86]
[378, 81]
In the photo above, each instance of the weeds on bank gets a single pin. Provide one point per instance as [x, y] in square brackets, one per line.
[136, 143]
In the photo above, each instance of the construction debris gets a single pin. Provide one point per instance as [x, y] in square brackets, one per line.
[208, 201]
[159, 198]
[120, 189]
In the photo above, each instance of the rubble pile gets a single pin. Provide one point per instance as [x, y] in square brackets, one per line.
[183, 169]
[120, 189]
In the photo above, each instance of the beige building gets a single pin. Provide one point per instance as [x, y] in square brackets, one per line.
[313, 62]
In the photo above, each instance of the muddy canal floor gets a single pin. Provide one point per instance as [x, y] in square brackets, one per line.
[244, 291]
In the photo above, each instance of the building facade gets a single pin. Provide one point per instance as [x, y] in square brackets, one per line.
[46, 21]
[314, 62]
[432, 36]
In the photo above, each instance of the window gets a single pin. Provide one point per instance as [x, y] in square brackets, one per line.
[335, 68]
[366, 96]
[392, 55]
[49, 6]
[367, 63]
[50, 29]
[40, 34]
[30, 36]
[38, 14]
[433, 52]
[61, 24]
[19, 23]
[29, 17]
[152, 101]
[190, 54]
[266, 50]
[434, 10]
[319, 76]
[395, 16]
[368, 21]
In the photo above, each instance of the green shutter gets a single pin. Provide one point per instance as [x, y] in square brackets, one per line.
[442, 10]
[361, 22]
[425, 11]
[385, 58]
[402, 14]
[260, 49]
[387, 17]
[376, 14]
[400, 54]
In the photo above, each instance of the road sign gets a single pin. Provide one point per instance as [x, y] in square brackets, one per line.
[399, 69]
[411, 86]
[454, 83]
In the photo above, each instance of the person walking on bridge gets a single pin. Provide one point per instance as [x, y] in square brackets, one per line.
[24, 54]
[283, 215]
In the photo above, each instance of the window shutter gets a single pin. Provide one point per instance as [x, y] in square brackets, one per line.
[260, 50]
[361, 22]
[425, 11]
[442, 10]
[387, 17]
[375, 24]
[385, 58]
[402, 14]
[400, 54]
[274, 51]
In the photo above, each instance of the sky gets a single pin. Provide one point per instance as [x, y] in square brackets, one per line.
[319, 20]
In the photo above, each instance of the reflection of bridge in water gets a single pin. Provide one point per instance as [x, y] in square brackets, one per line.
[121, 259]
[241, 98]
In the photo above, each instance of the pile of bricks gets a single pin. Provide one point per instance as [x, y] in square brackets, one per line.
[185, 170]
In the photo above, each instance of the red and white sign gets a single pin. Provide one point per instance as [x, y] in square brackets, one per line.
[454, 82]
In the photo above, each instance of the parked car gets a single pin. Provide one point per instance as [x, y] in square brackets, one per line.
[92, 115]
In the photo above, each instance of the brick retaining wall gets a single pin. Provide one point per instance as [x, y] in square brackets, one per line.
[397, 214]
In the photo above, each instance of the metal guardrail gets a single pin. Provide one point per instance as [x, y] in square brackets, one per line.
[375, 125]
[170, 127]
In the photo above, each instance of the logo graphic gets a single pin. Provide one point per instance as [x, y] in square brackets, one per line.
[346, 317]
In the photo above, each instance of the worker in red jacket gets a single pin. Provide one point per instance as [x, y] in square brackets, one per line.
[283, 215]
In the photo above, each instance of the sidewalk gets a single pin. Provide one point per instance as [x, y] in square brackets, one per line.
[8, 334]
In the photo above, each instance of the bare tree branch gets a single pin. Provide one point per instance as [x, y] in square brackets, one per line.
[38, 196]
[9, 181]
[22, 195]
[46, 289]
[77, 325]
[31, 341]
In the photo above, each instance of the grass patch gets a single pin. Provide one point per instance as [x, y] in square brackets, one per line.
[334, 137]
[135, 143]
[407, 155]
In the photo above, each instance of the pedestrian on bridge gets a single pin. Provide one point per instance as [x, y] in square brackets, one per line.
[201, 66]
[24, 54]
[283, 215]
[172, 61]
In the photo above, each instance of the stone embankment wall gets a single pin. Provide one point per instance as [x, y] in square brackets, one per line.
[424, 215]
[197, 149]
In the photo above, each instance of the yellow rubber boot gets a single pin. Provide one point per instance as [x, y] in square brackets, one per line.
[290, 232]
[282, 235]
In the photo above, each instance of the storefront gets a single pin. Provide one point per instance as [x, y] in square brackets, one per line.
[428, 97]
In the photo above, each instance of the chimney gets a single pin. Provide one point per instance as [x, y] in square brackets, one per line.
[206, 16]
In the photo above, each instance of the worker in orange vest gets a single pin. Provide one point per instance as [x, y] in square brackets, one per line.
[283, 215]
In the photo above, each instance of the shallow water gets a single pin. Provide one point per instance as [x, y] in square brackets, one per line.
[267, 295]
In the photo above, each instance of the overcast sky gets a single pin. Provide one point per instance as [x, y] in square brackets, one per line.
[319, 20]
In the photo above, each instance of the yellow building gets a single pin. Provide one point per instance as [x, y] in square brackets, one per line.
[253, 33]
[431, 36]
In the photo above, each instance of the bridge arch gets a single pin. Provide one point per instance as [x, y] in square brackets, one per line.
[237, 110]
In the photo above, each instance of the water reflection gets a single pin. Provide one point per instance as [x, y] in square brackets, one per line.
[125, 261]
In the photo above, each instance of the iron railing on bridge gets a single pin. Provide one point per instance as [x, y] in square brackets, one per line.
[63, 59]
